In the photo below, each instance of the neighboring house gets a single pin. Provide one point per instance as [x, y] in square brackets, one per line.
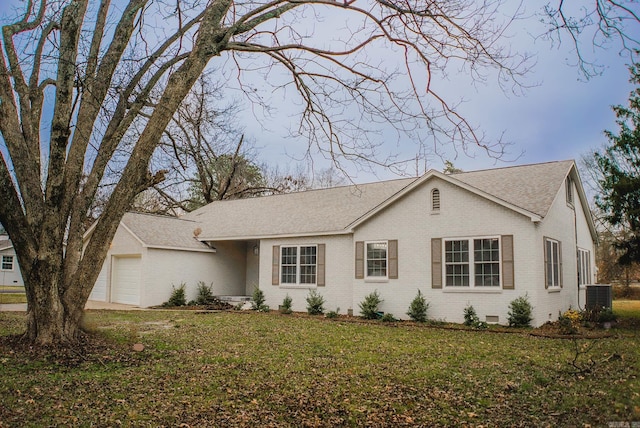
[478, 238]
[9, 269]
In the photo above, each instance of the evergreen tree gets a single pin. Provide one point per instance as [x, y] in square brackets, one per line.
[619, 165]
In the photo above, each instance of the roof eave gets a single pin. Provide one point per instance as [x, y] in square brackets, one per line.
[273, 236]
[196, 250]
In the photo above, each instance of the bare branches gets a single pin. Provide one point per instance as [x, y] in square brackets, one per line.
[604, 24]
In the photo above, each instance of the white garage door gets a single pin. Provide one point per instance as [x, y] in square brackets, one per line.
[99, 291]
[125, 281]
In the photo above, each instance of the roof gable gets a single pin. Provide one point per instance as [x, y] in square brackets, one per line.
[530, 187]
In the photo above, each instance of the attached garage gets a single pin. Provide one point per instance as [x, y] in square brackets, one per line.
[99, 291]
[125, 280]
[150, 255]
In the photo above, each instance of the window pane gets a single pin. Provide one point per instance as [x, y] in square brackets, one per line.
[377, 259]
[308, 256]
[457, 275]
[7, 262]
[487, 262]
[289, 262]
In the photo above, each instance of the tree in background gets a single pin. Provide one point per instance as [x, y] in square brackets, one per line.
[88, 88]
[618, 167]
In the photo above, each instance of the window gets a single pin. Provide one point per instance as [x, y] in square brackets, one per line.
[472, 262]
[298, 264]
[553, 264]
[435, 200]
[7, 262]
[569, 189]
[377, 259]
[584, 267]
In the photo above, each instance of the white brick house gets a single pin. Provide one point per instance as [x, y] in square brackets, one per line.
[478, 238]
[9, 269]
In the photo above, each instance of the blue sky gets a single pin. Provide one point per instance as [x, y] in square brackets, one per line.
[560, 117]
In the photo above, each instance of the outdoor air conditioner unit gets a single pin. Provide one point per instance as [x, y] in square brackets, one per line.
[599, 296]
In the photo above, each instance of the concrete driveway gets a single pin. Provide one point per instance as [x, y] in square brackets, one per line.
[91, 304]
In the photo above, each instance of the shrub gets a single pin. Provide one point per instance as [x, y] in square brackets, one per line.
[599, 314]
[178, 297]
[418, 308]
[257, 301]
[333, 314]
[369, 306]
[520, 312]
[285, 308]
[388, 318]
[470, 316]
[606, 315]
[205, 294]
[569, 321]
[315, 303]
[471, 319]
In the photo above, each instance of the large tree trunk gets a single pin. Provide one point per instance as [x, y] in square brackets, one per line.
[52, 317]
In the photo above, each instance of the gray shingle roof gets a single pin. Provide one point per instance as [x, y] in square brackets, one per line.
[163, 231]
[532, 188]
[310, 212]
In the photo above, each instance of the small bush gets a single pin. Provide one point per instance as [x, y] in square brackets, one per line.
[606, 315]
[388, 318]
[520, 312]
[315, 303]
[333, 314]
[369, 306]
[598, 314]
[285, 308]
[205, 294]
[418, 308]
[257, 301]
[470, 316]
[471, 319]
[178, 297]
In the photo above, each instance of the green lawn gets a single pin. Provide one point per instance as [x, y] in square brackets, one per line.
[627, 308]
[16, 294]
[256, 369]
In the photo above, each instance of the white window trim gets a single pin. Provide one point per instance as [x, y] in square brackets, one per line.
[374, 278]
[297, 284]
[556, 283]
[569, 193]
[13, 263]
[581, 252]
[472, 277]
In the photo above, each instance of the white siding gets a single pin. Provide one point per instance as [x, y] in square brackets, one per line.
[11, 277]
[99, 291]
[163, 269]
[462, 214]
[338, 270]
[573, 232]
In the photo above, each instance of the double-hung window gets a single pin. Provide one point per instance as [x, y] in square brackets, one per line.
[472, 262]
[298, 264]
[7, 263]
[377, 259]
[584, 267]
[552, 263]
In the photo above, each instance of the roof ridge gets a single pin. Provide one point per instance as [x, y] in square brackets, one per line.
[513, 166]
[166, 216]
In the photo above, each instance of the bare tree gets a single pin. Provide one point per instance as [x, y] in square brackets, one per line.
[88, 87]
[603, 24]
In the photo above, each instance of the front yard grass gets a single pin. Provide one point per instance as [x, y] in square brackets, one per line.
[268, 369]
